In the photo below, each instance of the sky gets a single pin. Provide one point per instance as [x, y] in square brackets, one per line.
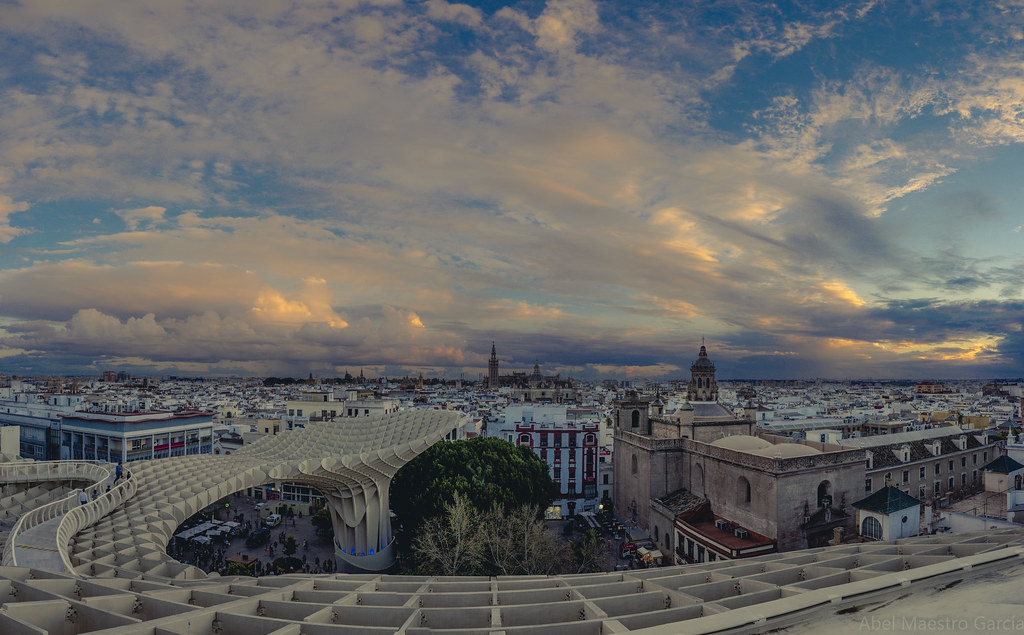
[814, 189]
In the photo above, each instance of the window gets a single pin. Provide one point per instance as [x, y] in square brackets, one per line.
[974, 476]
[824, 491]
[951, 483]
[906, 476]
[558, 473]
[974, 459]
[888, 478]
[543, 439]
[743, 491]
[984, 457]
[921, 475]
[938, 469]
[605, 479]
[524, 439]
[938, 487]
[871, 528]
[921, 492]
[951, 465]
[633, 465]
[867, 485]
[963, 479]
[558, 440]
[963, 461]
[636, 418]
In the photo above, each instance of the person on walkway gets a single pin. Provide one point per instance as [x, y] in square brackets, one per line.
[117, 473]
[83, 498]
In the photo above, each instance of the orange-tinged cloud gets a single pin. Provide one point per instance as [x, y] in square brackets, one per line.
[673, 305]
[959, 349]
[842, 292]
[311, 304]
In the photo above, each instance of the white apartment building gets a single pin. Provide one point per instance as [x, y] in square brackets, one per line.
[135, 435]
[572, 451]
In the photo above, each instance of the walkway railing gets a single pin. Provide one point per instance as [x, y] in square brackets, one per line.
[26, 472]
[32, 471]
[82, 516]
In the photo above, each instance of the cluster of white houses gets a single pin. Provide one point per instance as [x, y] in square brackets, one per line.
[703, 480]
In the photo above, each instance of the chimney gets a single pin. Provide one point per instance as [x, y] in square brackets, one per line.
[837, 536]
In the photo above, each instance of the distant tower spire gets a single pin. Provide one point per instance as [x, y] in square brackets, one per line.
[492, 369]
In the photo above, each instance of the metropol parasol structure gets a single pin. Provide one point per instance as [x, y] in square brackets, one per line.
[102, 566]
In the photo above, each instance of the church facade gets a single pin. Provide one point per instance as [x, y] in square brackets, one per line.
[704, 487]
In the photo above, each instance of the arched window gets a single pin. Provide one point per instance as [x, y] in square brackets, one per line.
[871, 528]
[589, 439]
[698, 480]
[633, 465]
[636, 418]
[656, 535]
[743, 491]
[524, 439]
[824, 494]
[1016, 482]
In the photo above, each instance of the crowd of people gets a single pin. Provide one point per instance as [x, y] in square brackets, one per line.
[266, 559]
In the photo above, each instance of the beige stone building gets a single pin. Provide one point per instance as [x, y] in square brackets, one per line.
[704, 487]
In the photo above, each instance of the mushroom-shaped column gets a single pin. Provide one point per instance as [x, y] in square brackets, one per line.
[352, 461]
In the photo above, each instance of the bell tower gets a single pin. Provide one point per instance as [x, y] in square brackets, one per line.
[492, 369]
[703, 386]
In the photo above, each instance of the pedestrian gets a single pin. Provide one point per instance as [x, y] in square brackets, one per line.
[83, 498]
[117, 472]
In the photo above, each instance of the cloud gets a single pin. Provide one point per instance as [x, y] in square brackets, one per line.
[141, 217]
[8, 207]
[454, 12]
[393, 184]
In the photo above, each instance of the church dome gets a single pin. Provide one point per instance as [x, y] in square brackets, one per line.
[741, 443]
[786, 451]
[702, 360]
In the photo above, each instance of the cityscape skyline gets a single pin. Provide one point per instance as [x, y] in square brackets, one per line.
[278, 190]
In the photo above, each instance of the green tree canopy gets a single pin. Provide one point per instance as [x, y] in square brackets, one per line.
[322, 521]
[486, 470]
[290, 545]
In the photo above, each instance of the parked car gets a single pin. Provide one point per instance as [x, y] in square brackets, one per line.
[272, 520]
